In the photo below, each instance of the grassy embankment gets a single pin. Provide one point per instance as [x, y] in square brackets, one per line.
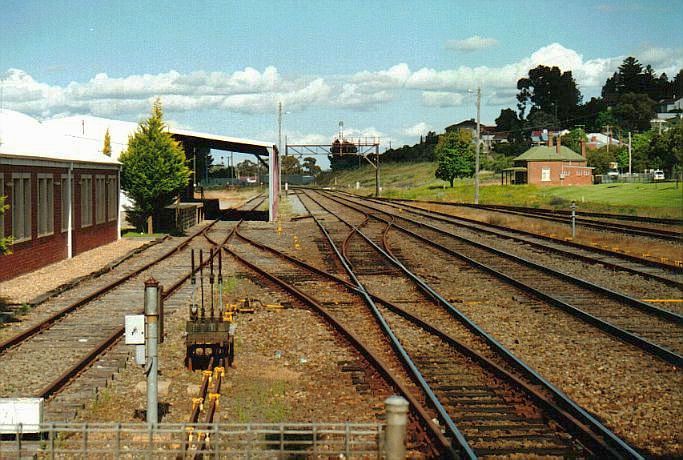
[417, 181]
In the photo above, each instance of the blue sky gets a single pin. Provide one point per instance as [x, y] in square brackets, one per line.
[386, 68]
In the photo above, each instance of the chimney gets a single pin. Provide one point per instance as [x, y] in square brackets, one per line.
[557, 145]
[550, 139]
[583, 149]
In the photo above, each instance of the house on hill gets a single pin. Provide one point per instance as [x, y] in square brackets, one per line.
[548, 165]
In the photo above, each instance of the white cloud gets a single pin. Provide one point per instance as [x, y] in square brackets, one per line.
[442, 99]
[473, 43]
[417, 129]
[254, 91]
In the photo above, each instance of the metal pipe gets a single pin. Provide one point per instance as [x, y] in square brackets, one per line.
[211, 279]
[151, 342]
[201, 280]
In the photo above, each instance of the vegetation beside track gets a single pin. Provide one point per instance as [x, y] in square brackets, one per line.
[417, 181]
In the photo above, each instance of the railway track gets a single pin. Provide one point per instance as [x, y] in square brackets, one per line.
[597, 221]
[82, 339]
[654, 330]
[661, 272]
[500, 414]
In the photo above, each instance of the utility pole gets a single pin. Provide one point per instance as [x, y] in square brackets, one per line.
[629, 153]
[476, 157]
[609, 135]
[279, 127]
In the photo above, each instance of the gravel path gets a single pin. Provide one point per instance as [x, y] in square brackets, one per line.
[25, 288]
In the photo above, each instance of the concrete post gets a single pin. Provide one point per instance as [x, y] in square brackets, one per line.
[397, 420]
[573, 207]
[151, 341]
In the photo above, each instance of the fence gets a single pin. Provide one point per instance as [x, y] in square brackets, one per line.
[178, 441]
[625, 178]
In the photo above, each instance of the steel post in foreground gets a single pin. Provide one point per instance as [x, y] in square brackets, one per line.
[397, 422]
[151, 353]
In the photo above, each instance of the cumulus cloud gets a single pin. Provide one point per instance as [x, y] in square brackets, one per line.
[442, 99]
[253, 91]
[473, 43]
[417, 129]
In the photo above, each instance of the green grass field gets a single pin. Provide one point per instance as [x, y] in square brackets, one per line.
[417, 181]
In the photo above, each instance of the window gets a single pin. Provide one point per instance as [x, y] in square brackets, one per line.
[100, 201]
[66, 187]
[46, 205]
[21, 207]
[545, 174]
[86, 201]
[112, 198]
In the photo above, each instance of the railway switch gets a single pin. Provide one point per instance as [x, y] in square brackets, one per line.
[211, 324]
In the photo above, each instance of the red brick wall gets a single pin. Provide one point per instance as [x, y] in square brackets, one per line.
[40, 251]
[574, 173]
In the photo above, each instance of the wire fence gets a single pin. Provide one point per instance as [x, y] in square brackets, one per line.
[187, 441]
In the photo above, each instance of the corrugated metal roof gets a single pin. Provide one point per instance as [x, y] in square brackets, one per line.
[545, 153]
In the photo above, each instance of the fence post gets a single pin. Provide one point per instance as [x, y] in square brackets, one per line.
[397, 420]
[117, 443]
[20, 430]
[52, 441]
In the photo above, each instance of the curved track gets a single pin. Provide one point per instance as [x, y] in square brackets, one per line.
[657, 331]
[76, 336]
[500, 413]
[598, 221]
[664, 273]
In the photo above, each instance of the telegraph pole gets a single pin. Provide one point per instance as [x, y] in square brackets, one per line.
[279, 127]
[629, 153]
[476, 157]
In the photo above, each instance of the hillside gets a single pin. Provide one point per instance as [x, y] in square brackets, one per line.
[417, 181]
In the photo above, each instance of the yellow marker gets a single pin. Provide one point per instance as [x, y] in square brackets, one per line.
[196, 402]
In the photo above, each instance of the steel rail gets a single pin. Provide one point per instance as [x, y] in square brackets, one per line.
[12, 341]
[652, 348]
[573, 425]
[464, 447]
[600, 225]
[60, 382]
[550, 211]
[571, 406]
[553, 246]
[651, 309]
[376, 361]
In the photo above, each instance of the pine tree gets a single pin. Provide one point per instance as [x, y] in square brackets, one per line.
[106, 149]
[153, 167]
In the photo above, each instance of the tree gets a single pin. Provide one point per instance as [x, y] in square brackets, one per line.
[246, 168]
[455, 154]
[634, 111]
[106, 148]
[640, 150]
[509, 122]
[310, 166]
[600, 159]
[573, 139]
[550, 90]
[290, 165]
[5, 243]
[153, 168]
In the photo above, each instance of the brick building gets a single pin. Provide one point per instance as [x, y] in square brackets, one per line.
[63, 195]
[548, 165]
